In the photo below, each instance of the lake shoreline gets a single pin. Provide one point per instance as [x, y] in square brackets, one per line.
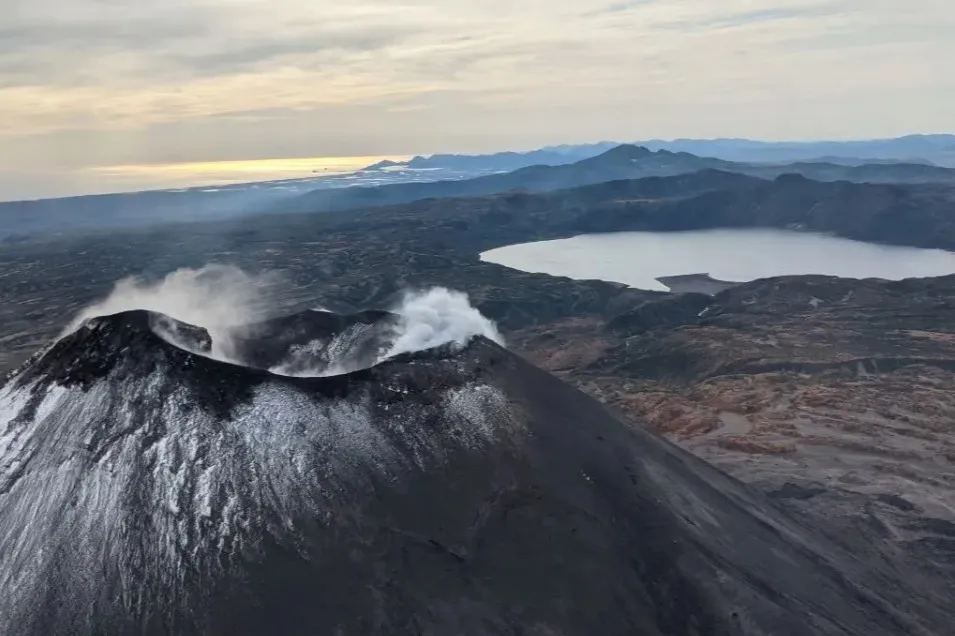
[711, 261]
[701, 283]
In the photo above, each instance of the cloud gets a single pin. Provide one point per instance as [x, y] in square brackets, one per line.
[698, 19]
[410, 76]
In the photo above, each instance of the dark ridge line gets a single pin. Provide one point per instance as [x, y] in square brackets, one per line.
[137, 325]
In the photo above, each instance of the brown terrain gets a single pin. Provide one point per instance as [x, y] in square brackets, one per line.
[832, 396]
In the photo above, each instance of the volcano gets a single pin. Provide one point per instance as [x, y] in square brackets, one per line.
[310, 343]
[147, 489]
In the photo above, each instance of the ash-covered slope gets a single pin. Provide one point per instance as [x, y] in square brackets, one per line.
[145, 489]
[314, 343]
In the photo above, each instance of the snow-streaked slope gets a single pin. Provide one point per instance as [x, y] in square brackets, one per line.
[128, 476]
[149, 490]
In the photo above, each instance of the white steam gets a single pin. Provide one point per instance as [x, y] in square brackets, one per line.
[218, 298]
[438, 317]
[222, 299]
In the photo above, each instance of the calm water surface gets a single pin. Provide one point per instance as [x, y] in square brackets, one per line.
[638, 258]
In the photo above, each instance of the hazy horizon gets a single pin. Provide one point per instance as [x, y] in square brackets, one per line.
[96, 180]
[103, 83]
[139, 178]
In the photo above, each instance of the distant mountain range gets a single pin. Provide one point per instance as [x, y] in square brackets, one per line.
[390, 183]
[500, 161]
[860, 161]
[937, 149]
[619, 163]
[923, 149]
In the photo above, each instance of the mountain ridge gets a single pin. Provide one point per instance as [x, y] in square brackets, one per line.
[894, 150]
[447, 488]
[626, 161]
[19, 221]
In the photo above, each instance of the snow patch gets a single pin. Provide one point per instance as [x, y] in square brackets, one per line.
[213, 487]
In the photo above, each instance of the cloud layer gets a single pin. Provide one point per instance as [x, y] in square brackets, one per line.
[116, 82]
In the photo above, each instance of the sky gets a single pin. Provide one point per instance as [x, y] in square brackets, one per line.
[106, 94]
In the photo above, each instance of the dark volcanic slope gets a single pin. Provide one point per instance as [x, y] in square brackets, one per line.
[314, 342]
[150, 491]
[832, 396]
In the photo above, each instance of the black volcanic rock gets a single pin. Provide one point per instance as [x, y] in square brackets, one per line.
[313, 340]
[185, 335]
[147, 490]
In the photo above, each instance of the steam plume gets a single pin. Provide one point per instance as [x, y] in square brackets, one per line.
[223, 299]
[437, 317]
[218, 298]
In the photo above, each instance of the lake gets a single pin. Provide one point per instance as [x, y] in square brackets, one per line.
[637, 259]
